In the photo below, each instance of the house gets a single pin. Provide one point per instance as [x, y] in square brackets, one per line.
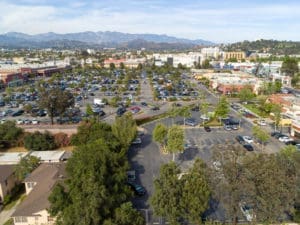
[7, 180]
[39, 185]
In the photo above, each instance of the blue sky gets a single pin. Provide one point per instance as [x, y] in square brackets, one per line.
[218, 21]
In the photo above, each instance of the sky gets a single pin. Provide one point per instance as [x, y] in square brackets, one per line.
[220, 21]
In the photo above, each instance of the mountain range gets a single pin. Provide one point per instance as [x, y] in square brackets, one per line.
[99, 39]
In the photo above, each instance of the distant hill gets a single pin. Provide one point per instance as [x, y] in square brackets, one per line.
[270, 46]
[96, 39]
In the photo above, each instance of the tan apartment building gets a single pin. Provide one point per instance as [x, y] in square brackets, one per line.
[7, 180]
[234, 55]
[39, 184]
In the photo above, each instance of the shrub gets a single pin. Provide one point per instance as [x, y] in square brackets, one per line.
[62, 140]
[39, 141]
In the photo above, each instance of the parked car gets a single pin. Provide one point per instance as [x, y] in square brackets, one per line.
[144, 104]
[262, 123]
[137, 141]
[34, 121]
[138, 189]
[275, 133]
[285, 139]
[227, 127]
[155, 108]
[17, 113]
[240, 139]
[195, 109]
[121, 111]
[248, 139]
[191, 122]
[19, 121]
[207, 129]
[248, 147]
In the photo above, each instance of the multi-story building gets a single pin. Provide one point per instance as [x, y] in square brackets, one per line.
[234, 55]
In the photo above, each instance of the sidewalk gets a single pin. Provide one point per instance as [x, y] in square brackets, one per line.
[5, 214]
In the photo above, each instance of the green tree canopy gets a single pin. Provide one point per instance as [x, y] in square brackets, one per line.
[26, 165]
[160, 133]
[38, 141]
[55, 100]
[124, 128]
[166, 198]
[222, 108]
[175, 140]
[195, 192]
[95, 186]
[246, 94]
[289, 66]
[9, 134]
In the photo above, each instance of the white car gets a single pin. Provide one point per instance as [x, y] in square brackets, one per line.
[262, 122]
[20, 121]
[34, 121]
[248, 139]
[285, 139]
[227, 127]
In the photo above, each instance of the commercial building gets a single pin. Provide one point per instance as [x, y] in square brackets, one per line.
[234, 55]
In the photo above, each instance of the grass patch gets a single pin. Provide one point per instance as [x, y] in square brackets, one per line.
[9, 222]
[150, 119]
[253, 108]
[213, 123]
[18, 193]
[17, 149]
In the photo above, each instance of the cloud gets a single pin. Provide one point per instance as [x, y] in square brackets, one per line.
[190, 19]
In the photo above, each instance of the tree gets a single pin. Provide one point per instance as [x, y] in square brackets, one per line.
[184, 112]
[246, 94]
[89, 110]
[277, 86]
[166, 198]
[289, 66]
[276, 110]
[222, 108]
[195, 192]
[38, 141]
[126, 214]
[160, 134]
[55, 100]
[9, 134]
[173, 113]
[175, 140]
[92, 130]
[95, 185]
[122, 66]
[206, 64]
[26, 165]
[260, 134]
[112, 66]
[274, 186]
[124, 128]
[228, 179]
[59, 200]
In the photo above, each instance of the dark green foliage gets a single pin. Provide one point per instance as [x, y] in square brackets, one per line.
[59, 200]
[95, 185]
[275, 47]
[126, 214]
[26, 165]
[9, 134]
[196, 192]
[273, 182]
[222, 108]
[38, 141]
[166, 199]
[289, 66]
[55, 100]
[90, 131]
[124, 129]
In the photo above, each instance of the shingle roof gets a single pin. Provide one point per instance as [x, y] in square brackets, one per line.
[6, 171]
[46, 176]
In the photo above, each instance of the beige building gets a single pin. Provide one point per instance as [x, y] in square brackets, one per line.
[7, 180]
[234, 55]
[39, 184]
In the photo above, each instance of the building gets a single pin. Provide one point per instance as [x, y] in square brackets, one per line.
[39, 185]
[290, 110]
[11, 78]
[116, 62]
[234, 55]
[7, 180]
[11, 158]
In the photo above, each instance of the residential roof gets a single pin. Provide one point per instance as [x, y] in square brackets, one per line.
[6, 171]
[11, 157]
[45, 176]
